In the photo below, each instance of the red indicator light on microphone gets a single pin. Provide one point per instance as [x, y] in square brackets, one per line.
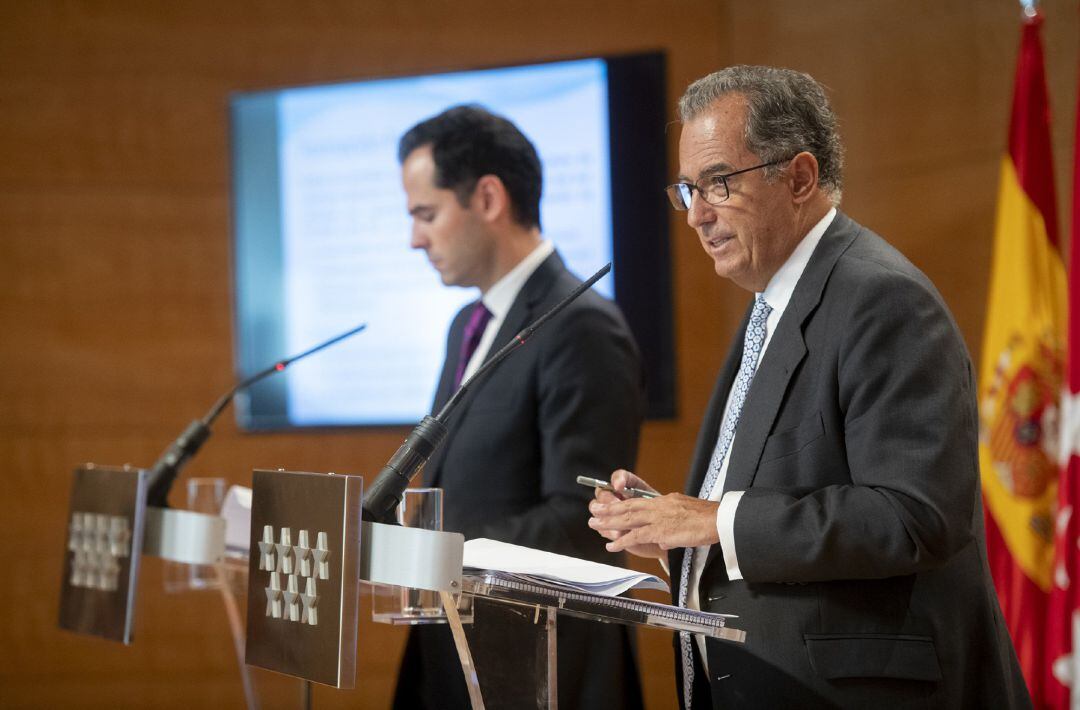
[280, 366]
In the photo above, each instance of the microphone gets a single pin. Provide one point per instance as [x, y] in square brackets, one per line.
[385, 493]
[164, 472]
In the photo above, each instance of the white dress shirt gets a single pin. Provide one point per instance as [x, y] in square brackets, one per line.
[500, 297]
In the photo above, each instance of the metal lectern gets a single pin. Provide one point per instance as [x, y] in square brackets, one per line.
[308, 556]
[302, 617]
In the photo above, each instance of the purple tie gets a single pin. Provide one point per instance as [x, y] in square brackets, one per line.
[474, 330]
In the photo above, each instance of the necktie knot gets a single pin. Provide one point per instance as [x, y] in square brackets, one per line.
[761, 312]
[470, 339]
[755, 333]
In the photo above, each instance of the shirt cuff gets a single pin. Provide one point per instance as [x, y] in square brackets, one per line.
[725, 527]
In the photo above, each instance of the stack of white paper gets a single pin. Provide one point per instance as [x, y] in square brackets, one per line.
[237, 513]
[539, 567]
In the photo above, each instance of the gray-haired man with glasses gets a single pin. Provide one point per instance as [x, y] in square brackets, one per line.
[833, 500]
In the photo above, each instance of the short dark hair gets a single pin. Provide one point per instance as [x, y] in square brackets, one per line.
[468, 142]
[787, 112]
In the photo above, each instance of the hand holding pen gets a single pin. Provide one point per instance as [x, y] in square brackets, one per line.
[650, 525]
[624, 493]
[624, 486]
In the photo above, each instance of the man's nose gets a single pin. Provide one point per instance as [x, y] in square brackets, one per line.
[418, 240]
[700, 212]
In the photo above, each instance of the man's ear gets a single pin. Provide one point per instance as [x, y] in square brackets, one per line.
[490, 198]
[803, 174]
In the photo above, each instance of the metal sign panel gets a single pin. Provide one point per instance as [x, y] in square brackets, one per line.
[303, 575]
[101, 556]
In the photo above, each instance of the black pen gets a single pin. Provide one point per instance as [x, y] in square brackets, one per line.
[606, 486]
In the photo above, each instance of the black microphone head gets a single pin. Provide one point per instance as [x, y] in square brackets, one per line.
[384, 494]
[167, 467]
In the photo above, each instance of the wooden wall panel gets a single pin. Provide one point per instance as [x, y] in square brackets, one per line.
[114, 248]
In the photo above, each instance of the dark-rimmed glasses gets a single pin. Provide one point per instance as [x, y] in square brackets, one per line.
[712, 188]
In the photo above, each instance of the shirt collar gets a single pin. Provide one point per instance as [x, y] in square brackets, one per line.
[782, 285]
[502, 293]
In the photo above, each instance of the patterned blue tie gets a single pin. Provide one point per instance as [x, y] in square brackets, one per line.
[753, 341]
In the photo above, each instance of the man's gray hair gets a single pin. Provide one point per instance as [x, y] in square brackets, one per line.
[787, 112]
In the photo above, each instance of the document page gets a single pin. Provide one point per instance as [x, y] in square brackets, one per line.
[542, 567]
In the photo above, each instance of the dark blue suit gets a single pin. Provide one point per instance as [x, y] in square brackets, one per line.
[569, 402]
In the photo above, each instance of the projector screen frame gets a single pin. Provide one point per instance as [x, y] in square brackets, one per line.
[640, 240]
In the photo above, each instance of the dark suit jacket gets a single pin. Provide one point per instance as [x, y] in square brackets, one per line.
[569, 402]
[859, 535]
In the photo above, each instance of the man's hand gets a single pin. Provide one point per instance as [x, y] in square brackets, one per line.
[650, 527]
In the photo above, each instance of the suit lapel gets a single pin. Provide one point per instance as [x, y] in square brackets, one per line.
[445, 387]
[707, 435]
[433, 469]
[714, 413]
[521, 313]
[524, 308]
[786, 350]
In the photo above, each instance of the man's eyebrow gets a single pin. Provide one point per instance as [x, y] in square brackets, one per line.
[714, 169]
[419, 208]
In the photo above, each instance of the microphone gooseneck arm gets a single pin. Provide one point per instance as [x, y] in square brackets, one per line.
[168, 466]
[385, 493]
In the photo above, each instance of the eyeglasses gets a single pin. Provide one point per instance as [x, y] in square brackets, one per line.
[714, 191]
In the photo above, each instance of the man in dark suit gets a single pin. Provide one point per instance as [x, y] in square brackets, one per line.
[567, 403]
[833, 500]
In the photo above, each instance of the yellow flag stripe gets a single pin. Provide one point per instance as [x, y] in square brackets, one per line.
[1025, 331]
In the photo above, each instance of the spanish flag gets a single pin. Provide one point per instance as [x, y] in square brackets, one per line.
[1022, 372]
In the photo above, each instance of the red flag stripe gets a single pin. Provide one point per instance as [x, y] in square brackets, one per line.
[1021, 602]
[1029, 128]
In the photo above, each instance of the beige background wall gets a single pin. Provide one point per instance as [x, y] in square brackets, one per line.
[114, 247]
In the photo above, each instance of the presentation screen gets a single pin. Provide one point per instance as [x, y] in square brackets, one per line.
[321, 230]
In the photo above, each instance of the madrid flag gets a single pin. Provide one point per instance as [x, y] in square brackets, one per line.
[1063, 623]
[1022, 373]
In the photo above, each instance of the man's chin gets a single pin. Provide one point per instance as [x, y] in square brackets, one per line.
[449, 278]
[732, 272]
[724, 268]
[743, 277]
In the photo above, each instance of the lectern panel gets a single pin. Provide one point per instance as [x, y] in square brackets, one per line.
[303, 572]
[101, 560]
